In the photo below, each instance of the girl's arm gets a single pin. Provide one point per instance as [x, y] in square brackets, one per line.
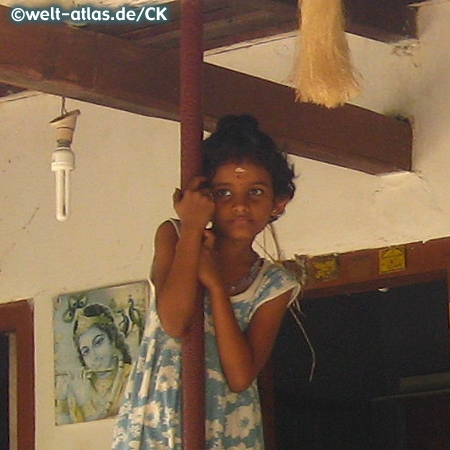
[175, 264]
[244, 355]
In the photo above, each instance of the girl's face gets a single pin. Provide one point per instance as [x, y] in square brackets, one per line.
[96, 349]
[244, 199]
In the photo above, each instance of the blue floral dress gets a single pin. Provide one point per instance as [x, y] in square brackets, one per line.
[150, 417]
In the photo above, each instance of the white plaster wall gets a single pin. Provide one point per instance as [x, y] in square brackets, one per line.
[127, 166]
[388, 73]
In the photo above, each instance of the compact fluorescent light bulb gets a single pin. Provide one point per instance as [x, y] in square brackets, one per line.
[63, 161]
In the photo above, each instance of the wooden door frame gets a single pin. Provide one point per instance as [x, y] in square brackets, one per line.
[17, 318]
[359, 271]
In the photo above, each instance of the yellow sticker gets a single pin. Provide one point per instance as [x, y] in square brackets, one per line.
[325, 268]
[392, 259]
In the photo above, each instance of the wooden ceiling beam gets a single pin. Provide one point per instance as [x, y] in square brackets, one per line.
[228, 22]
[382, 20]
[348, 136]
[225, 23]
[113, 72]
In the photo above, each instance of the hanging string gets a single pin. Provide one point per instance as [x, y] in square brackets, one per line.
[295, 307]
[63, 106]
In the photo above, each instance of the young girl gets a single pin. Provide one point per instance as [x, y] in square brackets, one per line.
[246, 184]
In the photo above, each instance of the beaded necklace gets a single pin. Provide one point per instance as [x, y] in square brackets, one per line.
[244, 283]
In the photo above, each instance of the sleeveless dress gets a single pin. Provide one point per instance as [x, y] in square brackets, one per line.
[150, 417]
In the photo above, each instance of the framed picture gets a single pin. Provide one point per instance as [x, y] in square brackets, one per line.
[96, 338]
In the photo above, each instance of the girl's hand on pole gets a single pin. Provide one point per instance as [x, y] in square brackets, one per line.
[194, 205]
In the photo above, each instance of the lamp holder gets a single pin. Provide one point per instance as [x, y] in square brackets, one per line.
[65, 125]
[63, 157]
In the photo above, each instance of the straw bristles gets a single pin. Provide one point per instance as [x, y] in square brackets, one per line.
[323, 72]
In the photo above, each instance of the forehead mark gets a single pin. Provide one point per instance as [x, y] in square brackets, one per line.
[239, 171]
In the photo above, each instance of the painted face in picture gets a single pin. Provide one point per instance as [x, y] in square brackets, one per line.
[96, 349]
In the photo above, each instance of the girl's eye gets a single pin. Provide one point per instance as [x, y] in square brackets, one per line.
[222, 193]
[256, 192]
[84, 351]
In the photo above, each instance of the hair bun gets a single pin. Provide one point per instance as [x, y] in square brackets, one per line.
[245, 122]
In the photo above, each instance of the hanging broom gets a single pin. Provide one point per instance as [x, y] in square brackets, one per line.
[323, 70]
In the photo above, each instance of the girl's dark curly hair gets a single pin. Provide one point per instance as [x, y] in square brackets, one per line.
[238, 139]
[103, 319]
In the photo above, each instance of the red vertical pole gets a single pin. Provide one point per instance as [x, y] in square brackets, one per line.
[191, 59]
[193, 359]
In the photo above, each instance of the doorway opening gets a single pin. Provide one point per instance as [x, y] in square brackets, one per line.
[4, 391]
[377, 353]
[17, 376]
[8, 392]
[381, 334]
